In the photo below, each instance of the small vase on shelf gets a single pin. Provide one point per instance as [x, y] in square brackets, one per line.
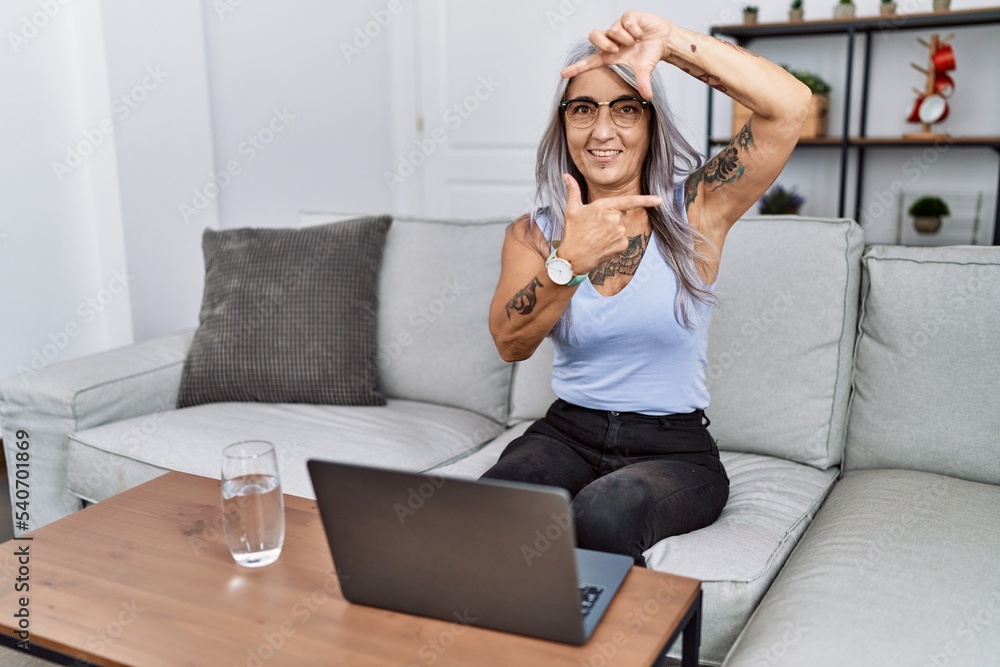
[844, 9]
[942, 5]
[796, 13]
[887, 8]
[750, 15]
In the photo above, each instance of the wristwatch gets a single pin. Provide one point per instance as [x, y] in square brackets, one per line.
[561, 272]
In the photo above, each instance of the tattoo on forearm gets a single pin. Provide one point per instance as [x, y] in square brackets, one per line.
[725, 167]
[705, 77]
[737, 47]
[626, 263]
[524, 301]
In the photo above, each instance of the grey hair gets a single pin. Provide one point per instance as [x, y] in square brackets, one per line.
[670, 159]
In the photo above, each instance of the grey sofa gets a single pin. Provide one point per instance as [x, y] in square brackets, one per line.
[820, 347]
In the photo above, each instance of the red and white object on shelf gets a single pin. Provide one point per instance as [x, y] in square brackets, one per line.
[931, 105]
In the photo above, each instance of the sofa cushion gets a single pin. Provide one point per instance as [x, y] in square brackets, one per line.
[288, 316]
[885, 542]
[473, 465]
[779, 347]
[408, 435]
[436, 284]
[927, 375]
[771, 502]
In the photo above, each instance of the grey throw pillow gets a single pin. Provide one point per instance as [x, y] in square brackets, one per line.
[288, 316]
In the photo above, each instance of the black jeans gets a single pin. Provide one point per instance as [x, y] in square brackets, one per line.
[634, 479]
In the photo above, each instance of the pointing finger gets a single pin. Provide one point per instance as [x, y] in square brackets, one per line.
[632, 201]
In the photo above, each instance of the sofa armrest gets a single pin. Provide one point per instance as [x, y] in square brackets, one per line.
[83, 393]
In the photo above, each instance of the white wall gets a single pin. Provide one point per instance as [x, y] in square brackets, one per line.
[60, 233]
[61, 242]
[332, 148]
[156, 73]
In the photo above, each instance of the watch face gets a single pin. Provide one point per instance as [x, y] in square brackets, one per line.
[559, 271]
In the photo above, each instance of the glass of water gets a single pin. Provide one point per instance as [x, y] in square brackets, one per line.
[253, 509]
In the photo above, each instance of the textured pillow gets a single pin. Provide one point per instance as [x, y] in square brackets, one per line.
[288, 316]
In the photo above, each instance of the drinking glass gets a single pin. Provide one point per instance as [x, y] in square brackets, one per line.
[253, 509]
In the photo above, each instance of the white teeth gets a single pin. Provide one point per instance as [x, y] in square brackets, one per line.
[605, 153]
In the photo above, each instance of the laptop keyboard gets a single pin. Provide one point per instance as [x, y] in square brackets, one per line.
[588, 596]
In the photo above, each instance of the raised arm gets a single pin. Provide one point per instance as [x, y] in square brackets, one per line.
[734, 179]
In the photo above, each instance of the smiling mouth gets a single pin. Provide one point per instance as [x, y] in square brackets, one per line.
[604, 155]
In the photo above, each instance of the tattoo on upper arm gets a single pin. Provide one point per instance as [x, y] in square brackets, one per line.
[524, 301]
[744, 140]
[725, 167]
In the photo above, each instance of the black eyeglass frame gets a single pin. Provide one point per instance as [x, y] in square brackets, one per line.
[624, 98]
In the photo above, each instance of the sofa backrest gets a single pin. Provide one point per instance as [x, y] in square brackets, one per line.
[779, 350]
[927, 376]
[531, 388]
[779, 347]
[435, 287]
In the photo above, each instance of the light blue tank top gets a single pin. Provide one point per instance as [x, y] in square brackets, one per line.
[627, 352]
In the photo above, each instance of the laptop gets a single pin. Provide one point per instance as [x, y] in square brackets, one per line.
[495, 554]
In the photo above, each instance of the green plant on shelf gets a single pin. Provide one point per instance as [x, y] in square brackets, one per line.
[888, 2]
[846, 2]
[778, 201]
[929, 207]
[750, 9]
[816, 84]
[796, 4]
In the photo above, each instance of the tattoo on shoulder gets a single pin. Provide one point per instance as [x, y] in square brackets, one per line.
[725, 167]
[626, 263]
[524, 301]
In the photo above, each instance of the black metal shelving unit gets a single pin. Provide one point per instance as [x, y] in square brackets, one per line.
[852, 28]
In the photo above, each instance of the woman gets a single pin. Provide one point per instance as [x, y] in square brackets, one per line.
[618, 265]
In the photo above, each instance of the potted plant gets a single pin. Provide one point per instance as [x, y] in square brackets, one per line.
[779, 201]
[815, 125]
[750, 14]
[844, 9]
[887, 8]
[819, 106]
[795, 12]
[942, 5]
[926, 213]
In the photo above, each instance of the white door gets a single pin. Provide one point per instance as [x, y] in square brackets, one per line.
[487, 79]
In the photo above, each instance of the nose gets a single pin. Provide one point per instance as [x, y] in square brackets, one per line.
[604, 127]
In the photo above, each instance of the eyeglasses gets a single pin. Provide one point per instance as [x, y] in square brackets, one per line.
[582, 112]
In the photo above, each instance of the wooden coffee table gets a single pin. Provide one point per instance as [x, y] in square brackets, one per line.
[145, 578]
